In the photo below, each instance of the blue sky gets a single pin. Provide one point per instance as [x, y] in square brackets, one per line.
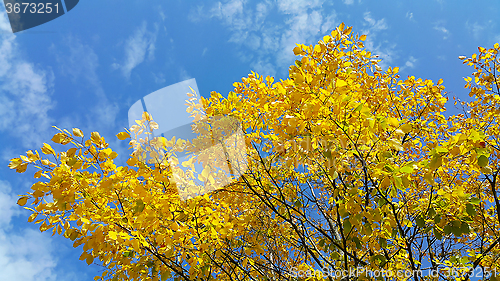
[86, 68]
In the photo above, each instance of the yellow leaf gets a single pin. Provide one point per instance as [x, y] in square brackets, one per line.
[340, 83]
[22, 168]
[89, 259]
[32, 217]
[83, 256]
[146, 116]
[32, 156]
[393, 121]
[205, 173]
[77, 132]
[123, 135]
[59, 137]
[71, 152]
[341, 26]
[297, 50]
[406, 128]
[38, 193]
[395, 144]
[47, 149]
[482, 161]
[22, 201]
[132, 161]
[113, 235]
[95, 137]
[136, 245]
[333, 173]
[486, 170]
[14, 162]
[298, 78]
[174, 226]
[436, 162]
[362, 37]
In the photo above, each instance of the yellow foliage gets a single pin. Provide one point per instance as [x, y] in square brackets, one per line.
[347, 166]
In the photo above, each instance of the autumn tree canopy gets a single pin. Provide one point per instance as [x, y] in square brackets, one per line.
[349, 169]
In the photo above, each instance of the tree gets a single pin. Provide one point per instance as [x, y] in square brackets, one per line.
[352, 172]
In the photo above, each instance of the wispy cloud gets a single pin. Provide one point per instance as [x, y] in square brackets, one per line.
[411, 62]
[253, 26]
[25, 92]
[159, 77]
[384, 49]
[184, 75]
[27, 256]
[81, 64]
[264, 67]
[298, 6]
[439, 26]
[373, 25]
[348, 2]
[228, 11]
[484, 31]
[476, 29]
[140, 43]
[409, 15]
[302, 27]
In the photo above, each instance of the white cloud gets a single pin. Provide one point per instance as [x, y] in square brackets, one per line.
[439, 26]
[159, 78]
[476, 29]
[24, 93]
[8, 207]
[411, 62]
[348, 2]
[384, 49]
[82, 63]
[261, 11]
[103, 115]
[298, 6]
[329, 23]
[24, 105]
[228, 11]
[27, 256]
[253, 26]
[484, 31]
[184, 75]
[374, 25]
[263, 67]
[303, 27]
[409, 16]
[136, 47]
[253, 41]
[162, 14]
